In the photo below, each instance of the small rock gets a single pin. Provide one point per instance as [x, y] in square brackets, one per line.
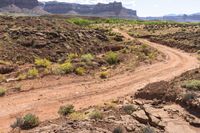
[140, 116]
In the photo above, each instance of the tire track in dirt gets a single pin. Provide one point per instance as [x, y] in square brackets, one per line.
[44, 102]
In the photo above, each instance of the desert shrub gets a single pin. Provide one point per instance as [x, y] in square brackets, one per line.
[111, 58]
[2, 78]
[66, 110]
[87, 57]
[42, 62]
[27, 122]
[192, 84]
[32, 73]
[118, 129]
[2, 92]
[66, 68]
[80, 71]
[96, 114]
[77, 116]
[80, 21]
[22, 76]
[147, 129]
[17, 87]
[129, 109]
[72, 56]
[188, 96]
[104, 75]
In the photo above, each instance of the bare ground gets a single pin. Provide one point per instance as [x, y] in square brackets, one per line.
[51, 93]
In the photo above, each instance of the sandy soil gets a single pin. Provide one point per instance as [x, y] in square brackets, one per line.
[51, 93]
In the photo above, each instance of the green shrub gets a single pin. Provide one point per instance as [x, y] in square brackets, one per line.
[27, 122]
[2, 78]
[118, 130]
[192, 84]
[129, 109]
[30, 121]
[2, 92]
[42, 62]
[22, 76]
[87, 57]
[148, 129]
[189, 96]
[80, 21]
[111, 58]
[96, 114]
[72, 56]
[66, 68]
[32, 73]
[66, 110]
[104, 75]
[76, 116]
[80, 71]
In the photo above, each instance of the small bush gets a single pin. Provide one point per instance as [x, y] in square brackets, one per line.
[33, 73]
[66, 110]
[76, 116]
[80, 21]
[66, 68]
[72, 56]
[148, 129]
[192, 85]
[2, 92]
[129, 109]
[96, 114]
[104, 75]
[111, 58]
[80, 71]
[188, 96]
[118, 130]
[87, 57]
[2, 78]
[27, 122]
[42, 62]
[22, 77]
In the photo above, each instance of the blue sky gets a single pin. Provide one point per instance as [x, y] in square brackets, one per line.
[152, 7]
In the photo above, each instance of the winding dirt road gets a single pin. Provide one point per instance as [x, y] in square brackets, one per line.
[45, 101]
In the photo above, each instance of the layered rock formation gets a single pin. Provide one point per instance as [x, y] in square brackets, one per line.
[114, 9]
[29, 4]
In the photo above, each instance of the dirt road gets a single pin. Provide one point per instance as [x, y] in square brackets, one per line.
[45, 101]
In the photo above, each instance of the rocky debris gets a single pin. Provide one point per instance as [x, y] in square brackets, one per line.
[51, 39]
[160, 90]
[118, 38]
[194, 121]
[141, 116]
[5, 69]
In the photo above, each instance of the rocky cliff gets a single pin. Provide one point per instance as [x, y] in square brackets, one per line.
[29, 4]
[114, 9]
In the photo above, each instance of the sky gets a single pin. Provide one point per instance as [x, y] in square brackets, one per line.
[151, 7]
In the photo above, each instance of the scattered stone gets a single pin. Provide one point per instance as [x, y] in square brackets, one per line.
[140, 116]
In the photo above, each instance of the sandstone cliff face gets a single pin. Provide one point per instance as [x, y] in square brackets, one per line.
[19, 3]
[114, 9]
